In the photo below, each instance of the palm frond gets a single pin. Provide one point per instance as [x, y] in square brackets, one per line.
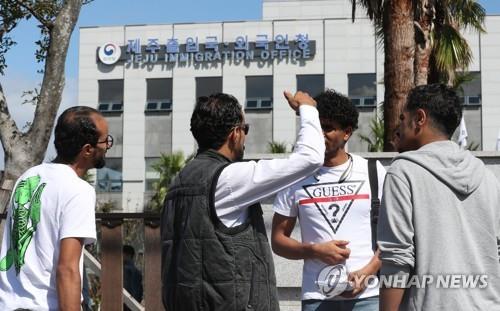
[462, 78]
[373, 8]
[451, 50]
[473, 146]
[375, 140]
[276, 147]
[167, 167]
[468, 14]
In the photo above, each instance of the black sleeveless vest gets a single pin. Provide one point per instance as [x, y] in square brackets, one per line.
[205, 265]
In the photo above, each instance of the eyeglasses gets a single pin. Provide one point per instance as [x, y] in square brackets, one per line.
[109, 142]
[245, 127]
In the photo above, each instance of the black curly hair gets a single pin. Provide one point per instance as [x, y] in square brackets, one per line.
[74, 129]
[213, 119]
[440, 102]
[333, 106]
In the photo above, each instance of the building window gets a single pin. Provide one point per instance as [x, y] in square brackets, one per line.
[159, 95]
[208, 85]
[110, 95]
[363, 89]
[311, 84]
[109, 178]
[259, 92]
[470, 91]
[152, 176]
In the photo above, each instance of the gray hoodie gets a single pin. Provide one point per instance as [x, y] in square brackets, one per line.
[440, 216]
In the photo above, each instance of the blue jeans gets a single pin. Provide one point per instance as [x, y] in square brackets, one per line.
[362, 304]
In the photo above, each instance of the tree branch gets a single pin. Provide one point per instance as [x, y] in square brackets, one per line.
[8, 127]
[53, 79]
[32, 11]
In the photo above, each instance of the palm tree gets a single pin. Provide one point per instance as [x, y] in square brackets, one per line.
[450, 50]
[375, 140]
[277, 147]
[399, 50]
[167, 166]
[393, 21]
[435, 51]
[424, 13]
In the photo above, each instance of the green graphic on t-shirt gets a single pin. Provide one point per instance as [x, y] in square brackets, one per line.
[26, 207]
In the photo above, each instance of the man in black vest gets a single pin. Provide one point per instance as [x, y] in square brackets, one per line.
[215, 252]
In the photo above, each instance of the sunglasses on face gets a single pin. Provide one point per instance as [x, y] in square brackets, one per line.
[245, 127]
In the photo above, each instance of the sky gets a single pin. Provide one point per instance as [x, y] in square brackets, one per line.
[21, 74]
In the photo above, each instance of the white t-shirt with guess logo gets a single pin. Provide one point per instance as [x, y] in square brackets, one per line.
[329, 210]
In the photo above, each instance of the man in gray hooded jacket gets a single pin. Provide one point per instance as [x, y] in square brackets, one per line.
[439, 224]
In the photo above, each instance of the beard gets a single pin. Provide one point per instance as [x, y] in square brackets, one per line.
[99, 162]
[240, 154]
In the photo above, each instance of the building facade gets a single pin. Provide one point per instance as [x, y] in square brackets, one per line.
[146, 79]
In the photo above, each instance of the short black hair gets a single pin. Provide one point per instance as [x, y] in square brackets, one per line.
[213, 119]
[74, 129]
[441, 103]
[333, 106]
[129, 250]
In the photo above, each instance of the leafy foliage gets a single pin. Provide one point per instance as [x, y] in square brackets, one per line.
[450, 50]
[167, 166]
[473, 146]
[276, 147]
[375, 140]
[460, 79]
[440, 48]
[13, 12]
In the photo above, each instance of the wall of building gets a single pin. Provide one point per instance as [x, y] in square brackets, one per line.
[307, 9]
[490, 67]
[342, 48]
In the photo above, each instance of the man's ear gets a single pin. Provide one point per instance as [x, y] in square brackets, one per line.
[348, 133]
[420, 118]
[231, 138]
[86, 150]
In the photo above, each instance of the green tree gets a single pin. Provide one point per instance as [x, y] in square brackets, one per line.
[277, 147]
[375, 139]
[56, 20]
[449, 50]
[167, 167]
[394, 25]
[423, 44]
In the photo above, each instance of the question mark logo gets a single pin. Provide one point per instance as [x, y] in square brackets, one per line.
[337, 208]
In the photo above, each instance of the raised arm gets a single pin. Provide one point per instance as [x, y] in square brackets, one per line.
[244, 183]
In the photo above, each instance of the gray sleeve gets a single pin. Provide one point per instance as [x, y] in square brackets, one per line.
[395, 228]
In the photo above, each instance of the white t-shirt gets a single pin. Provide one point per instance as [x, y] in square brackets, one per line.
[65, 208]
[242, 184]
[329, 210]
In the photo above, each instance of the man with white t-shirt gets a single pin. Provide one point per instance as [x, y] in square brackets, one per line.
[51, 217]
[215, 252]
[334, 207]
